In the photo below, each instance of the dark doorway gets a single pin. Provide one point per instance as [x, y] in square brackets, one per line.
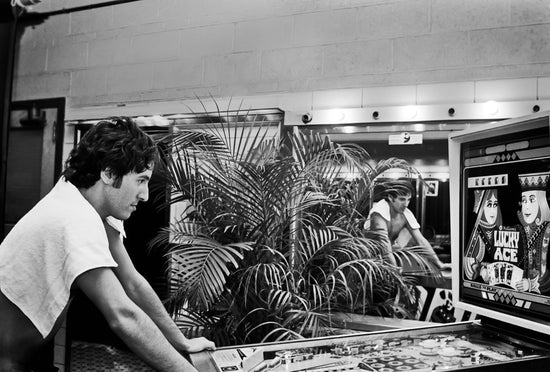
[34, 155]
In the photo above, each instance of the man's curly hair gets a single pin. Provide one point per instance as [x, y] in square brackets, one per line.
[118, 145]
[393, 188]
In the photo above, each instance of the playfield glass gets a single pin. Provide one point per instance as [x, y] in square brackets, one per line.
[450, 347]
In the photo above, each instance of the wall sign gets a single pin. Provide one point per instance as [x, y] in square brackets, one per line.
[405, 138]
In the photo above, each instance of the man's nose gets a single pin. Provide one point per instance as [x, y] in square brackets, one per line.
[144, 194]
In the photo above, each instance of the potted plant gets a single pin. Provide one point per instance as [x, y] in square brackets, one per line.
[268, 238]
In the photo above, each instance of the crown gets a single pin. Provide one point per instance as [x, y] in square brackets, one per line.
[534, 181]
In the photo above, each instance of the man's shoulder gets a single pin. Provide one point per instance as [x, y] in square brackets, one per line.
[411, 219]
[65, 202]
[55, 210]
[53, 216]
[381, 208]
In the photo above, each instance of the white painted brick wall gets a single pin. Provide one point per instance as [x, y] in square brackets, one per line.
[181, 73]
[299, 54]
[136, 13]
[235, 68]
[32, 61]
[292, 63]
[130, 78]
[42, 86]
[159, 46]
[207, 41]
[321, 28]
[91, 21]
[471, 14]
[107, 52]
[89, 82]
[359, 58]
[394, 19]
[67, 57]
[263, 34]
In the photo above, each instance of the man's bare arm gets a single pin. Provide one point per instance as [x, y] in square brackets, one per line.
[141, 292]
[423, 242]
[380, 225]
[129, 322]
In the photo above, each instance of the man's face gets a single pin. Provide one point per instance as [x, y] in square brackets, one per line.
[491, 209]
[529, 206]
[134, 188]
[400, 202]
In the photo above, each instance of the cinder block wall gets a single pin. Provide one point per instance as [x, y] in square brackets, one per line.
[299, 54]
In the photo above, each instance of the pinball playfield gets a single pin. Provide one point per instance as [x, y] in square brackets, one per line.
[450, 347]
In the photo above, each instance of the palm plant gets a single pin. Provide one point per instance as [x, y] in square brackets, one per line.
[269, 242]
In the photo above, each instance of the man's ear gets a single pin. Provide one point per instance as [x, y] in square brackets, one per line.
[107, 176]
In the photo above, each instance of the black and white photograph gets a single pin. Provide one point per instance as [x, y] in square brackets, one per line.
[274, 185]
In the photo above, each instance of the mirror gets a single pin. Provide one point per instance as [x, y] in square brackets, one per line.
[422, 145]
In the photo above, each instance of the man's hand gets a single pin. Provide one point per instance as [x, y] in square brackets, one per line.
[194, 345]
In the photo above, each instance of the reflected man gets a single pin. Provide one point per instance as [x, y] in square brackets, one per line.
[391, 217]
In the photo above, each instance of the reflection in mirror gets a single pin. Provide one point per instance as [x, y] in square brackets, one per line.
[425, 147]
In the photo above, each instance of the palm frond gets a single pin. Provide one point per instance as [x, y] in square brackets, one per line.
[279, 333]
[200, 269]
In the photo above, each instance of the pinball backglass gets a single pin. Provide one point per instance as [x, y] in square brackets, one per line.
[500, 220]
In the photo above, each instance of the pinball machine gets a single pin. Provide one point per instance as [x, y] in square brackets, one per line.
[500, 233]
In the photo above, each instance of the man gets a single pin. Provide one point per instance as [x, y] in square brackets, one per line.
[391, 217]
[72, 239]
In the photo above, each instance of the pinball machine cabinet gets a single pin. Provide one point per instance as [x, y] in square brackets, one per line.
[500, 232]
